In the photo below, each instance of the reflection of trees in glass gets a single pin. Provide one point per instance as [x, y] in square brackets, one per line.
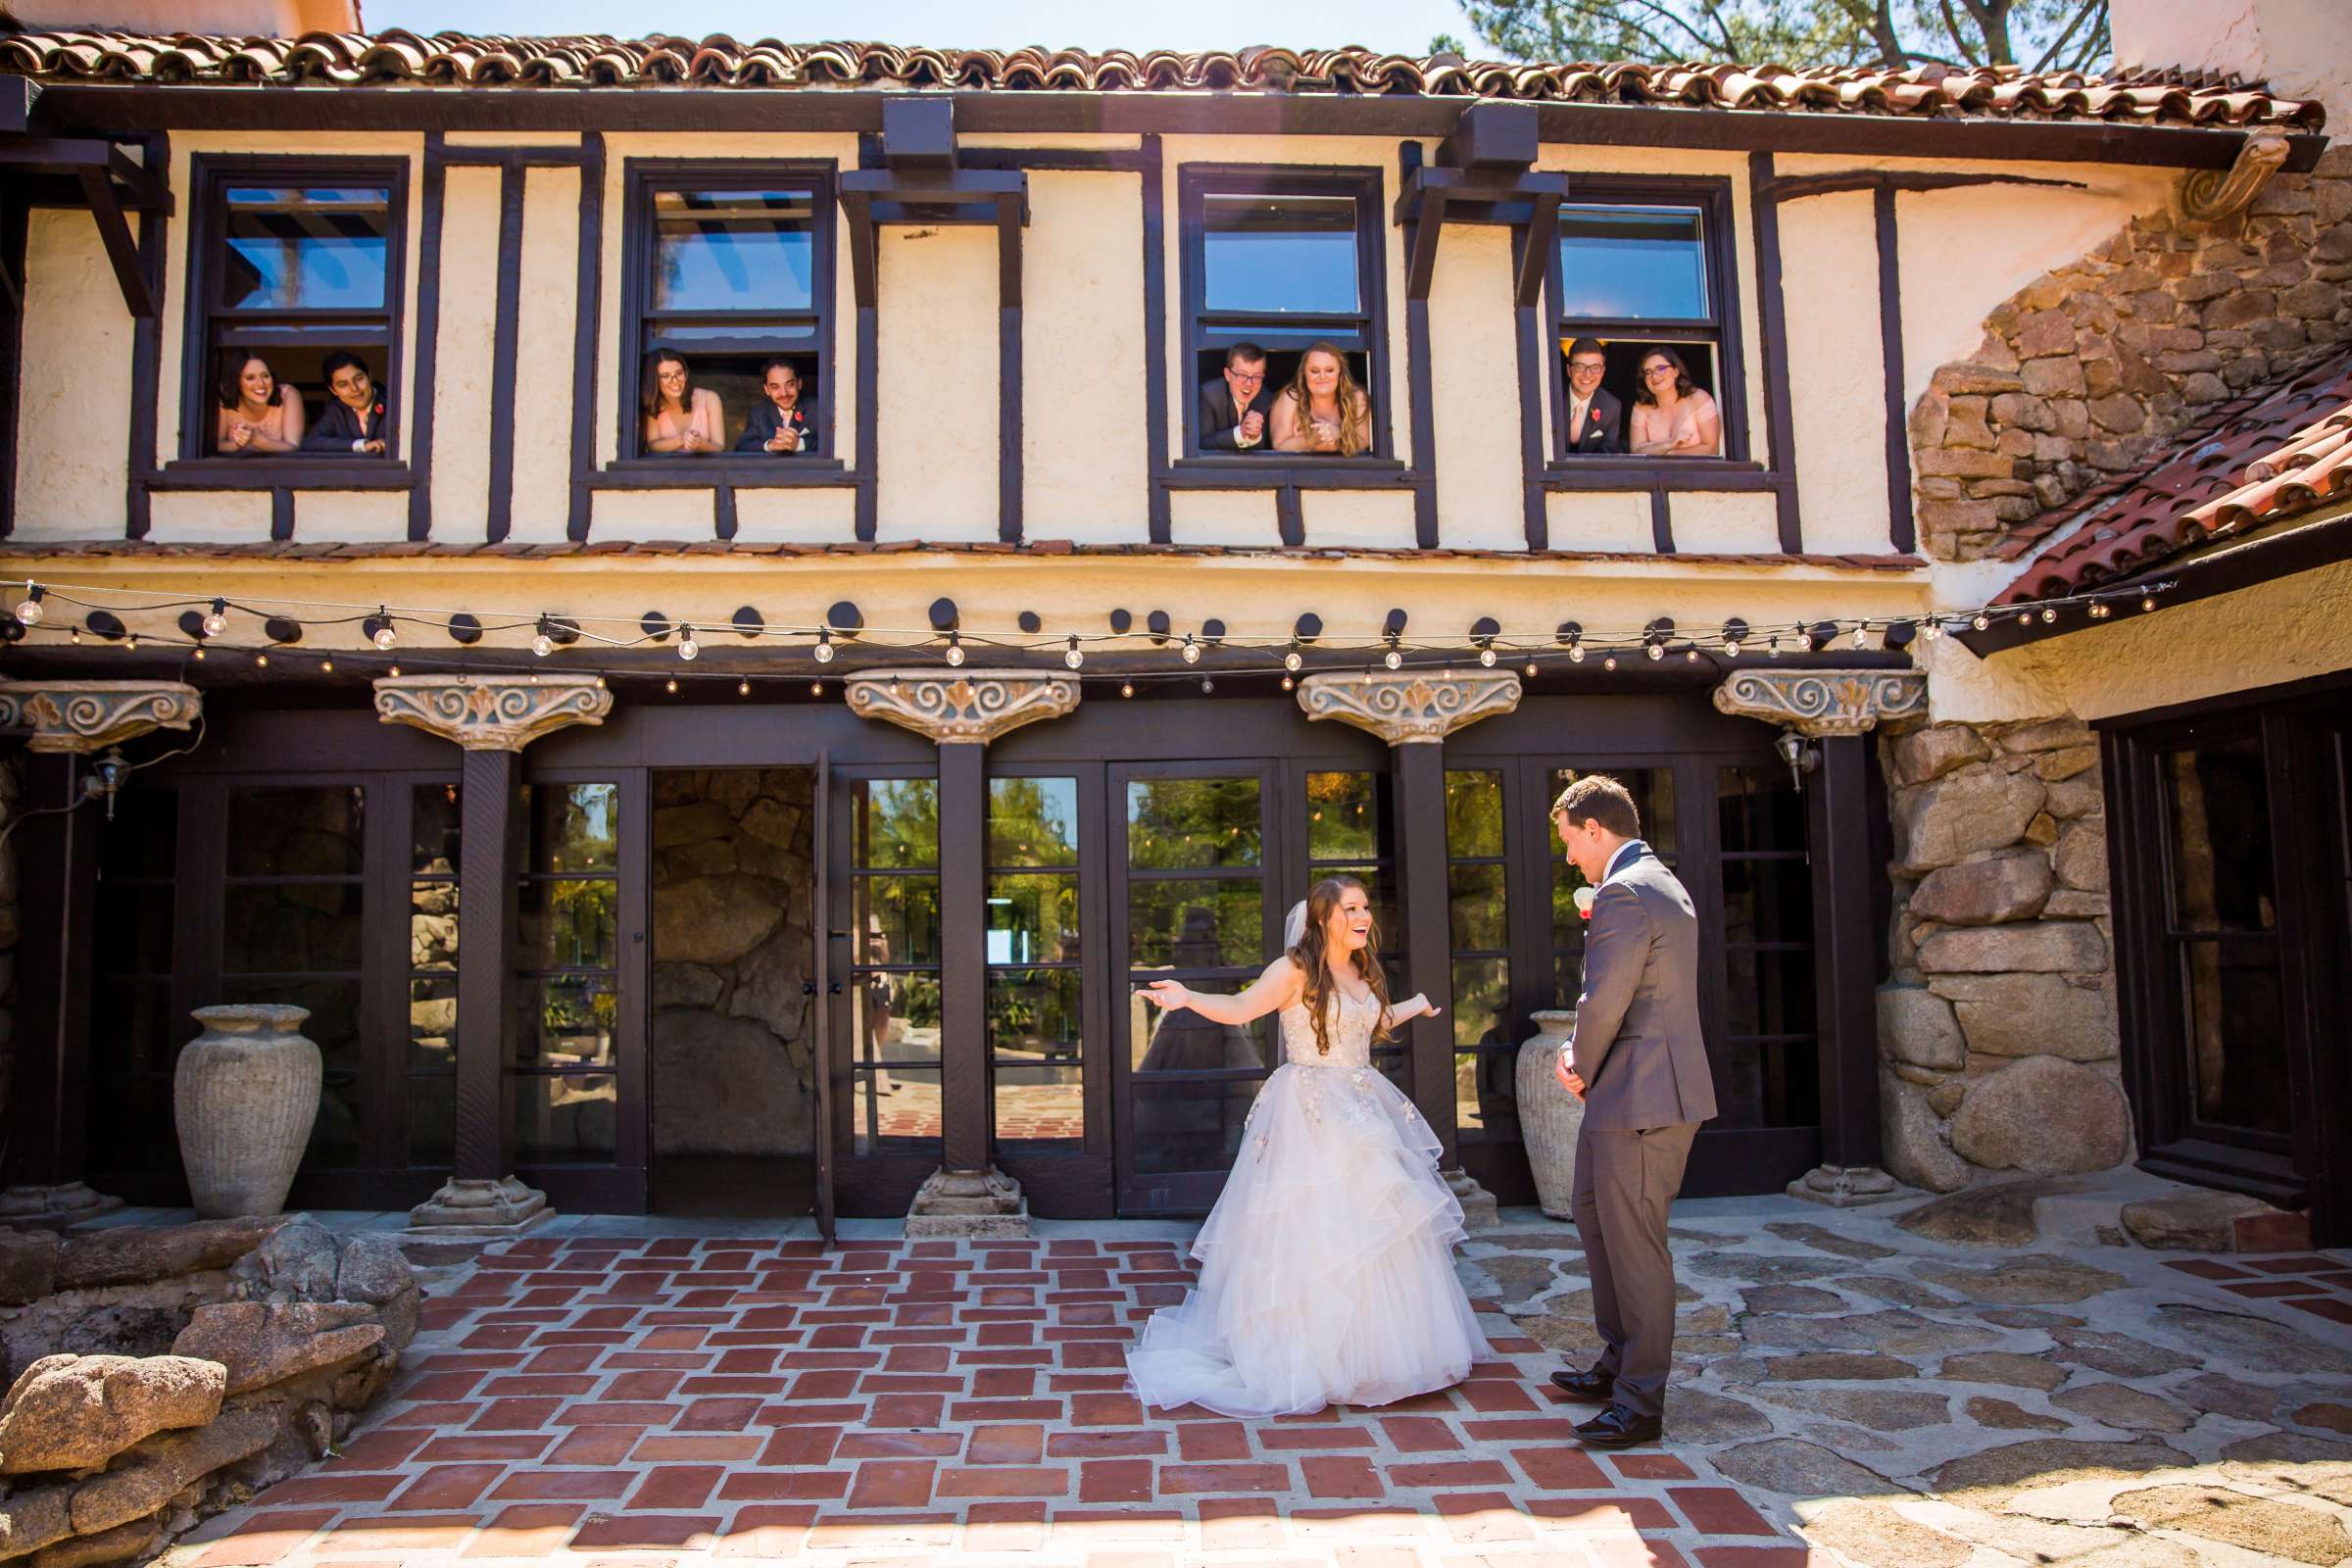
[1189, 823]
[1032, 821]
[1473, 812]
[574, 827]
[1342, 816]
[896, 824]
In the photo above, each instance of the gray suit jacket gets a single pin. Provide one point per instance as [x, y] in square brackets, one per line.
[1637, 1045]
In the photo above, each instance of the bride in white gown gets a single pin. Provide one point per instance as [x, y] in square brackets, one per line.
[1327, 1265]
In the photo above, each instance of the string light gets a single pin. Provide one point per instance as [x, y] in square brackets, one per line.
[1293, 659]
[327, 666]
[200, 655]
[1982, 621]
[1657, 650]
[1207, 685]
[1609, 663]
[1932, 630]
[599, 683]
[29, 609]
[2147, 602]
[742, 688]
[1530, 669]
[1076, 655]
[385, 636]
[1288, 684]
[670, 685]
[825, 645]
[2049, 613]
[261, 660]
[955, 648]
[543, 642]
[1486, 657]
[1862, 635]
[688, 649]
[216, 621]
[1192, 649]
[1126, 688]
[394, 672]
[816, 688]
[1576, 653]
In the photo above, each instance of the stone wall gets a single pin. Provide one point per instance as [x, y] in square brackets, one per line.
[732, 948]
[2095, 365]
[1997, 1032]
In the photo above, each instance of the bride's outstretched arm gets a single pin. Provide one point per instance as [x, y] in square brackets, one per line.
[1413, 1006]
[1278, 985]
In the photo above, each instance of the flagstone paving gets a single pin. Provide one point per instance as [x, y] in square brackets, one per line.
[1845, 1393]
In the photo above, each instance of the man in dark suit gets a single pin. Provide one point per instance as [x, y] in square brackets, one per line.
[1596, 419]
[783, 424]
[1638, 1064]
[1234, 408]
[353, 420]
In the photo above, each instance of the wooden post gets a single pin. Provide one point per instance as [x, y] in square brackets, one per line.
[57, 878]
[1420, 772]
[489, 866]
[1846, 947]
[964, 956]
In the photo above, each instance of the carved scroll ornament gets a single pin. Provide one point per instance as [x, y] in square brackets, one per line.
[2209, 195]
[1404, 707]
[971, 707]
[89, 715]
[1824, 702]
[491, 714]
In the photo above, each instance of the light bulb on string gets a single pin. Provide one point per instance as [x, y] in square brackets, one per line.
[1288, 684]
[824, 646]
[1691, 656]
[955, 648]
[1293, 659]
[76, 635]
[1486, 656]
[1392, 658]
[1930, 629]
[1982, 621]
[1576, 653]
[1192, 649]
[1530, 669]
[216, 620]
[327, 666]
[543, 643]
[1207, 685]
[200, 655]
[2147, 602]
[742, 688]
[393, 671]
[599, 682]
[1076, 655]
[29, 609]
[2049, 613]
[1126, 688]
[670, 685]
[130, 643]
[816, 688]
[385, 636]
[1657, 650]
[261, 660]
[1609, 663]
[688, 649]
[1862, 634]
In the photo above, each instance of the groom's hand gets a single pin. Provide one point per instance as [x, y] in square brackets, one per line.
[1567, 1074]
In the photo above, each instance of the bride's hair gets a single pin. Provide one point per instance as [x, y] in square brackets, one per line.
[1307, 952]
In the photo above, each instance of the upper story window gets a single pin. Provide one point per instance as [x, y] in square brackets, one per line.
[1642, 306]
[1283, 317]
[729, 287]
[294, 305]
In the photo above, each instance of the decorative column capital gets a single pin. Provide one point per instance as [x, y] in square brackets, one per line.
[1817, 703]
[961, 706]
[1408, 706]
[89, 715]
[491, 712]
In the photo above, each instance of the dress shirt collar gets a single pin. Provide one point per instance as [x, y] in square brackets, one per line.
[1627, 853]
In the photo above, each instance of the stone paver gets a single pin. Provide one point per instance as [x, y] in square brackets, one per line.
[657, 1401]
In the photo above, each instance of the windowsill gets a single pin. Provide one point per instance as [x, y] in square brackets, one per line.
[287, 471]
[1284, 469]
[1616, 471]
[738, 470]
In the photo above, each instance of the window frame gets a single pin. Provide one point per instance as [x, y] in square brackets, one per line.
[209, 176]
[1366, 185]
[1711, 196]
[642, 178]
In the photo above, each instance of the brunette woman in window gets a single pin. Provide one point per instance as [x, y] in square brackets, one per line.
[679, 417]
[258, 415]
[1323, 410]
[1672, 417]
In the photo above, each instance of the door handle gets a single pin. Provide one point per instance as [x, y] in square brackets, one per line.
[808, 988]
[833, 990]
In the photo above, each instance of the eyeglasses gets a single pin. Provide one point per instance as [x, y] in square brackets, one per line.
[1246, 376]
[1584, 368]
[1654, 371]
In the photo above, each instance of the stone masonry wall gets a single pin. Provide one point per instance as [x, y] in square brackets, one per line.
[1997, 1032]
[733, 861]
[2093, 367]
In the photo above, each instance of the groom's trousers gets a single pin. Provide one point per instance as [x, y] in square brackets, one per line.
[1625, 1181]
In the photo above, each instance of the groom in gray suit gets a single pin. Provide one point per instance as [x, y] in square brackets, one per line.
[1638, 1064]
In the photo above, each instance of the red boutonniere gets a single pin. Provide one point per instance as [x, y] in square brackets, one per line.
[1584, 903]
[379, 411]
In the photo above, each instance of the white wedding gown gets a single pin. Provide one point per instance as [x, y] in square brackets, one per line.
[1327, 1265]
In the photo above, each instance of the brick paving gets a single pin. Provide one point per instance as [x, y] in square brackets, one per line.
[649, 1400]
[2305, 1281]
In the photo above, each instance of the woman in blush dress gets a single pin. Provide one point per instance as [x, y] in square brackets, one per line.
[258, 415]
[679, 417]
[1327, 1265]
[1322, 410]
[1672, 417]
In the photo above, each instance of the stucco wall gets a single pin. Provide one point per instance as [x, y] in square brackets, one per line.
[1474, 390]
[936, 374]
[1084, 457]
[74, 416]
[545, 342]
[465, 355]
[1837, 370]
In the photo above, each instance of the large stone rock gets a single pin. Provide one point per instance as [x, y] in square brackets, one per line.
[27, 1265]
[1897, 1332]
[1823, 1239]
[776, 824]
[2119, 1355]
[1927, 753]
[262, 1343]
[297, 1264]
[2252, 1344]
[2048, 735]
[1916, 1027]
[2043, 1115]
[2126, 1408]
[2030, 1015]
[123, 1543]
[1878, 1410]
[1911, 1142]
[704, 820]
[35, 1519]
[2006, 1369]
[686, 985]
[2012, 886]
[1997, 1216]
[1795, 1468]
[2027, 1281]
[757, 1109]
[1694, 1415]
[2044, 947]
[162, 1466]
[2081, 858]
[373, 1269]
[71, 1412]
[1835, 1367]
[2195, 1221]
[2272, 1530]
[1872, 1534]
[1965, 814]
[768, 985]
[714, 920]
[129, 1255]
[1992, 1479]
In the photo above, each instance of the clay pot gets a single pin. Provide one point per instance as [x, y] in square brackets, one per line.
[1550, 1116]
[245, 1094]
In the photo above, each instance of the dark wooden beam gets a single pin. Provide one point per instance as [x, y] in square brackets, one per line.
[1156, 343]
[1796, 187]
[489, 864]
[1009, 372]
[964, 955]
[1419, 769]
[1492, 137]
[506, 332]
[14, 228]
[1531, 250]
[122, 251]
[1846, 947]
[18, 95]
[587, 326]
[1772, 312]
[1661, 522]
[918, 134]
[59, 865]
[146, 354]
[433, 204]
[1903, 531]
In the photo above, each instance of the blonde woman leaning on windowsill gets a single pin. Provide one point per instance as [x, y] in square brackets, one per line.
[1672, 417]
[1322, 410]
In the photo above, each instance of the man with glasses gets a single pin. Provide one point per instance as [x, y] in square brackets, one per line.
[1234, 407]
[1596, 419]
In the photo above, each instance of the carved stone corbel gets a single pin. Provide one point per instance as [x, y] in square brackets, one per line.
[491, 712]
[961, 706]
[83, 716]
[1408, 706]
[1816, 702]
[2210, 195]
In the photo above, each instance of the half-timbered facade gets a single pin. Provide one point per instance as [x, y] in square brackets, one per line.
[647, 826]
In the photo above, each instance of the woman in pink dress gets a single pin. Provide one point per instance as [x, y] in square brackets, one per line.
[679, 417]
[1673, 418]
[257, 415]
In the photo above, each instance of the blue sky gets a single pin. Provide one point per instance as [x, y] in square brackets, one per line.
[1404, 26]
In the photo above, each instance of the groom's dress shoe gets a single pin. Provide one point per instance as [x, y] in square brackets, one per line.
[1590, 1386]
[1619, 1428]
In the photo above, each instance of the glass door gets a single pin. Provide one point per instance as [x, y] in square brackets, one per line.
[1192, 901]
